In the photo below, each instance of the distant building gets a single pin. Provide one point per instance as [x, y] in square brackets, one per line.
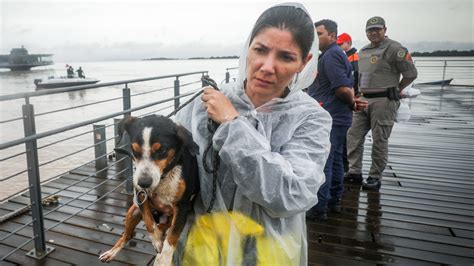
[19, 59]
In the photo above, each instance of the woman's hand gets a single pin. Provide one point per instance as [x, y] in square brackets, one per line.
[218, 106]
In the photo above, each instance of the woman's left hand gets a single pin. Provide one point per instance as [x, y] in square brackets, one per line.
[218, 106]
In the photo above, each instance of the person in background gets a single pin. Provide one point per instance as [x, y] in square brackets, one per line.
[70, 71]
[381, 63]
[80, 73]
[345, 42]
[332, 88]
[272, 141]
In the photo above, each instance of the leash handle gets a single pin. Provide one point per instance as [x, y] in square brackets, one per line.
[206, 80]
[214, 155]
[211, 124]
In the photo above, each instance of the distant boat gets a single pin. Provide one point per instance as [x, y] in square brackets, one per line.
[443, 82]
[59, 82]
[19, 59]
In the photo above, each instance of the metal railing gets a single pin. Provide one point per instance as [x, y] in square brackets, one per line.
[227, 74]
[460, 71]
[34, 167]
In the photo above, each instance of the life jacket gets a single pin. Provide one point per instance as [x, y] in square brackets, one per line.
[353, 57]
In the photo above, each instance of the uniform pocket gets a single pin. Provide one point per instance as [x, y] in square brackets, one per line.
[384, 127]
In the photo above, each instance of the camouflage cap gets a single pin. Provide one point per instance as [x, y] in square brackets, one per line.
[375, 22]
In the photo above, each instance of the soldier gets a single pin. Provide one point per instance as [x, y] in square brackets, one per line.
[380, 65]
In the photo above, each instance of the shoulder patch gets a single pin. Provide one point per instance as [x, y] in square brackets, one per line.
[401, 53]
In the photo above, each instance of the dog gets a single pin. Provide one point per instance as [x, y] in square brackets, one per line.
[165, 182]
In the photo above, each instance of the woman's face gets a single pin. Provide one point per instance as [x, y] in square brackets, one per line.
[273, 59]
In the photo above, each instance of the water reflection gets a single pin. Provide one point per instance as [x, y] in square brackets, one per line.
[22, 81]
[374, 212]
[73, 94]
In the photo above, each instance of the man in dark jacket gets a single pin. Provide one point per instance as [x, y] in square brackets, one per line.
[332, 88]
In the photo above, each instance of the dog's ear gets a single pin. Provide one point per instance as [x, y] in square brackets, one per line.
[187, 140]
[125, 125]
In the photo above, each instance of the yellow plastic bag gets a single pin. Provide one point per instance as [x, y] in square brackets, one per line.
[211, 236]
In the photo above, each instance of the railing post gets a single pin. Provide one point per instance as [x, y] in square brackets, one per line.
[176, 92]
[127, 164]
[127, 103]
[204, 84]
[442, 87]
[123, 161]
[41, 249]
[444, 74]
[227, 76]
[119, 158]
[100, 150]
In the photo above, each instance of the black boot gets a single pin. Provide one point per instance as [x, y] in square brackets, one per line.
[316, 216]
[353, 178]
[372, 184]
[335, 207]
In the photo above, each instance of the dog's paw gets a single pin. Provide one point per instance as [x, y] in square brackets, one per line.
[163, 260]
[108, 255]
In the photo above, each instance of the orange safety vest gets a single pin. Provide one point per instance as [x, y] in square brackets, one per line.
[353, 58]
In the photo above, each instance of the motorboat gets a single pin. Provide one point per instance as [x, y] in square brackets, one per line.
[59, 82]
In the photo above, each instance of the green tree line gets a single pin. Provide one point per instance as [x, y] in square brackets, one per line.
[444, 53]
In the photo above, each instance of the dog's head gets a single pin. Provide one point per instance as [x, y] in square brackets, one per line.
[156, 144]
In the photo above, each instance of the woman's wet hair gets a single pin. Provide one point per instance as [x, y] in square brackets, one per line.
[289, 18]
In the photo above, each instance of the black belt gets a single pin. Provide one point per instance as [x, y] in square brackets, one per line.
[383, 94]
[376, 95]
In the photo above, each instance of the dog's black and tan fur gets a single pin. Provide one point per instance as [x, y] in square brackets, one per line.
[166, 169]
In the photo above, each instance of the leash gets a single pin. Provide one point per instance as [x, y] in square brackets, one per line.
[205, 79]
[214, 155]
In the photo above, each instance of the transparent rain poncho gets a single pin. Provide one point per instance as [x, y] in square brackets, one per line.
[272, 161]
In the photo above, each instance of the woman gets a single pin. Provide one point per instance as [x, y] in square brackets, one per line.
[273, 142]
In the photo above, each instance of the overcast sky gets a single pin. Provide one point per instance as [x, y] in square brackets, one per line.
[106, 30]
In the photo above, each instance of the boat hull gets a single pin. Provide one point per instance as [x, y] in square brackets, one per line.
[443, 82]
[24, 67]
[64, 83]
